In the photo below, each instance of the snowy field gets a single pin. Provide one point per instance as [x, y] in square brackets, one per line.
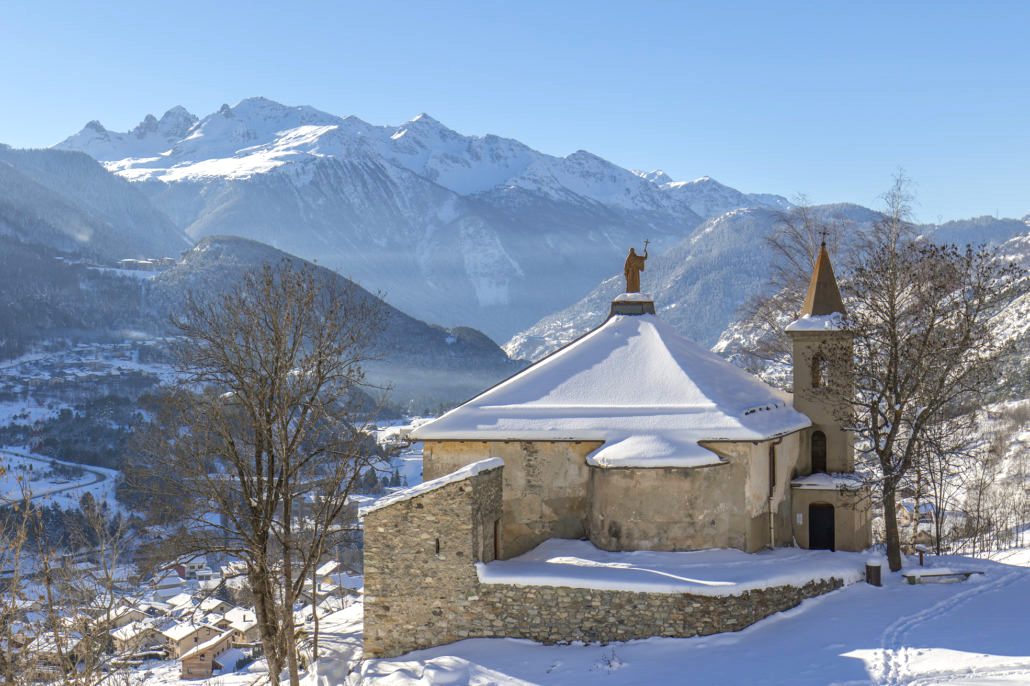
[23, 469]
[579, 564]
[971, 633]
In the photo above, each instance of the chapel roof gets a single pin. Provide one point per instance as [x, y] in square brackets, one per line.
[823, 295]
[650, 394]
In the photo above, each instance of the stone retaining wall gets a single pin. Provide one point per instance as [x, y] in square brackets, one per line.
[422, 590]
[557, 614]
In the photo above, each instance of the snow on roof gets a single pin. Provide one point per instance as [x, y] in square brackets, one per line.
[229, 659]
[181, 630]
[180, 599]
[211, 604]
[348, 581]
[650, 451]
[910, 506]
[239, 614]
[244, 625]
[713, 572]
[817, 322]
[132, 629]
[433, 484]
[207, 645]
[633, 376]
[828, 482]
[633, 298]
[48, 642]
[327, 568]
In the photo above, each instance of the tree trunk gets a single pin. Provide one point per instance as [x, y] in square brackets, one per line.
[261, 588]
[289, 630]
[890, 521]
[314, 609]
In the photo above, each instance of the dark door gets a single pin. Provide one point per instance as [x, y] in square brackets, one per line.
[820, 527]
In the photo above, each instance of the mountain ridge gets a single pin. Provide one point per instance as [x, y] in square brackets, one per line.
[701, 283]
[461, 229]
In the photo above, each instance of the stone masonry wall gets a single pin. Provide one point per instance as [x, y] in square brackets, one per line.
[420, 555]
[419, 595]
[552, 614]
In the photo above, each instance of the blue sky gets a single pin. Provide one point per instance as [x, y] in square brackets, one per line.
[824, 98]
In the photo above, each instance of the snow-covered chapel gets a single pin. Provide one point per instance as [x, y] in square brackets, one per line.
[634, 438]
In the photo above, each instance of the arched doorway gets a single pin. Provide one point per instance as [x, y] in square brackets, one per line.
[820, 527]
[818, 452]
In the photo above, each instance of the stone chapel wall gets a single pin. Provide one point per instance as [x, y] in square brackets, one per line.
[419, 595]
[669, 509]
[420, 555]
[545, 485]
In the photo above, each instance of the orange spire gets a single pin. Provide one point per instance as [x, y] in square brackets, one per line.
[823, 295]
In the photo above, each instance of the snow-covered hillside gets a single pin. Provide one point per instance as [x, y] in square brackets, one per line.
[701, 283]
[698, 285]
[475, 230]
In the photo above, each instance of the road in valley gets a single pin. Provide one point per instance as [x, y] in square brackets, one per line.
[99, 476]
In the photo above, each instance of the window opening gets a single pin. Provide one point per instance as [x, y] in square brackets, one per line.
[818, 452]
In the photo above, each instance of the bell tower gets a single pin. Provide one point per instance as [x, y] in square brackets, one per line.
[823, 378]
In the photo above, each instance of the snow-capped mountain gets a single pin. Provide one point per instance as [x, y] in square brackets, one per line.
[708, 198]
[151, 137]
[478, 230]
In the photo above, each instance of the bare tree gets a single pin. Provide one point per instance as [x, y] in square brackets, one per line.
[793, 245]
[15, 523]
[262, 442]
[945, 456]
[920, 316]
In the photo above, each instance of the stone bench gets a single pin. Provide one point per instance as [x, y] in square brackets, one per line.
[939, 576]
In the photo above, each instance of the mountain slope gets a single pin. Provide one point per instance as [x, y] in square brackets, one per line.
[461, 229]
[701, 283]
[424, 365]
[65, 200]
[698, 285]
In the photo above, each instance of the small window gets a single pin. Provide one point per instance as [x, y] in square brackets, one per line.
[497, 539]
[438, 546]
[818, 452]
[818, 371]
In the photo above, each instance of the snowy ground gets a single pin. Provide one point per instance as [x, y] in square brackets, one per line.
[579, 564]
[973, 633]
[968, 633]
[25, 469]
[409, 465]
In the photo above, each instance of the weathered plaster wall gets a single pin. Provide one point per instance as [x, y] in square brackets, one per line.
[550, 492]
[545, 485]
[669, 509]
[822, 404]
[852, 518]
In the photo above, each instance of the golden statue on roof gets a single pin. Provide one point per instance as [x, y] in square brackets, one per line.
[634, 265]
